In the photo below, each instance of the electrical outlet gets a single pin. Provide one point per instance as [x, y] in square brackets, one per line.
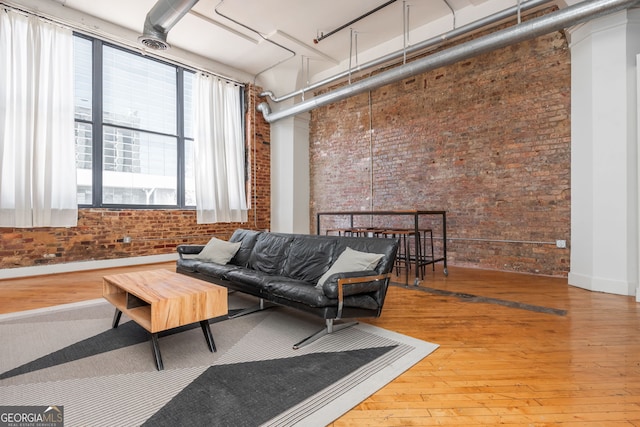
[561, 244]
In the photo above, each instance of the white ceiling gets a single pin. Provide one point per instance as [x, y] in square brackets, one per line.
[292, 24]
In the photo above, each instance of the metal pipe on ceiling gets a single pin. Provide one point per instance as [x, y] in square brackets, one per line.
[556, 21]
[405, 30]
[160, 19]
[353, 21]
[453, 13]
[434, 41]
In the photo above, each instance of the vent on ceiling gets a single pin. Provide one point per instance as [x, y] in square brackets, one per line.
[153, 43]
[160, 19]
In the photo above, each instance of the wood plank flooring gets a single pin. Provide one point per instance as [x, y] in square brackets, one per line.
[501, 361]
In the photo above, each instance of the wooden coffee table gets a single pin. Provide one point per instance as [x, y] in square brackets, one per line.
[159, 300]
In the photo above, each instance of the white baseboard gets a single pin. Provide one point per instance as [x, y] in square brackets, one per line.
[599, 284]
[13, 273]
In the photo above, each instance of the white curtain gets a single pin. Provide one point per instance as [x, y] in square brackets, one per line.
[219, 152]
[37, 146]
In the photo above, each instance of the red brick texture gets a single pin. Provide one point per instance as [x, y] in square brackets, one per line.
[487, 140]
[99, 233]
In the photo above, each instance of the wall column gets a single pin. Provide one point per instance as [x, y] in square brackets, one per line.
[290, 180]
[638, 161]
[604, 156]
[290, 175]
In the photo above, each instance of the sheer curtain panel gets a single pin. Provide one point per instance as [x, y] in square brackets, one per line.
[219, 152]
[37, 146]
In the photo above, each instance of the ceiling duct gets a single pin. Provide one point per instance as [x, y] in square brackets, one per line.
[160, 19]
[556, 21]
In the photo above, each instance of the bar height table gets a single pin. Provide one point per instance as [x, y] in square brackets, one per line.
[416, 224]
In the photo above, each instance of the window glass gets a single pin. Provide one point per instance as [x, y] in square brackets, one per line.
[188, 104]
[84, 159]
[83, 79]
[83, 89]
[139, 168]
[138, 92]
[189, 174]
[189, 156]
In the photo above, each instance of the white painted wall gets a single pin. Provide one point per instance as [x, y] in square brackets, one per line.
[604, 183]
[638, 153]
[290, 179]
[290, 175]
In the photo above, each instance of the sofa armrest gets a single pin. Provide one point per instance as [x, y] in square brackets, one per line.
[341, 285]
[363, 281]
[189, 250]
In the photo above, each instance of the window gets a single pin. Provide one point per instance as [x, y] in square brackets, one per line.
[133, 129]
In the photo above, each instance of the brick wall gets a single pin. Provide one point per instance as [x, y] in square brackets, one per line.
[260, 162]
[99, 233]
[486, 139]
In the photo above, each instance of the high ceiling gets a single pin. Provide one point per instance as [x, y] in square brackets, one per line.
[251, 42]
[255, 36]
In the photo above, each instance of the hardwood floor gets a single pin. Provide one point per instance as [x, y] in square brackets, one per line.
[46, 291]
[515, 349]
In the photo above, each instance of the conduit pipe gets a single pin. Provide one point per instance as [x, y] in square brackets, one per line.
[573, 15]
[453, 13]
[353, 21]
[160, 19]
[465, 29]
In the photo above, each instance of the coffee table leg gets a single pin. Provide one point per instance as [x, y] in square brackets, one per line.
[156, 351]
[116, 318]
[206, 328]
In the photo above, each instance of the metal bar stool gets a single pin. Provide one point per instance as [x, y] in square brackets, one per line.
[426, 257]
[340, 231]
[405, 258]
[364, 231]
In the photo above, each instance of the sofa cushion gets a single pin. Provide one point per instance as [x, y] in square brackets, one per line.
[248, 239]
[257, 280]
[313, 297]
[309, 258]
[351, 260]
[374, 245]
[211, 269]
[218, 251]
[361, 301]
[270, 252]
[300, 292]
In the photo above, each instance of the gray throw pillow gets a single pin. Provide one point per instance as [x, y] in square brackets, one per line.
[218, 251]
[351, 260]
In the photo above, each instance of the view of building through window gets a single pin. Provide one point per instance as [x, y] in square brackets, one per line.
[142, 146]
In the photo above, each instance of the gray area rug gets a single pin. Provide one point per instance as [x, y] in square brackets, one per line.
[70, 356]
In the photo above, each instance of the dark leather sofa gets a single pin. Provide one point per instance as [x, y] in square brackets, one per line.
[285, 269]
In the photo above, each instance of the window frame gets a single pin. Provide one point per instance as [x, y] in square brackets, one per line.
[97, 125]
